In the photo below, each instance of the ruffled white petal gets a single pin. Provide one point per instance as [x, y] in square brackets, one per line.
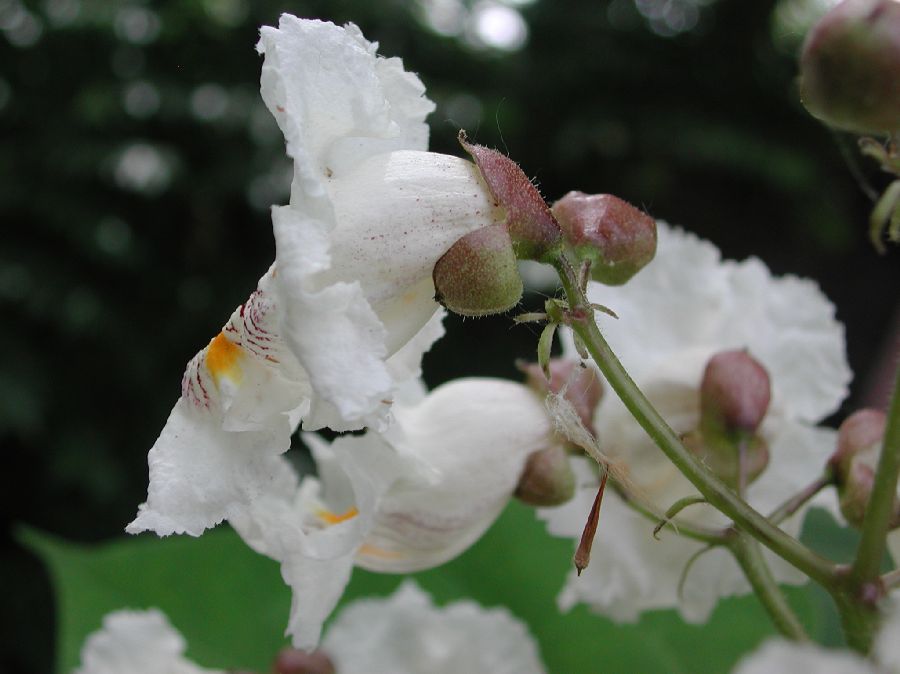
[242, 396]
[410, 498]
[683, 308]
[407, 634]
[690, 299]
[315, 529]
[137, 642]
[778, 656]
[370, 211]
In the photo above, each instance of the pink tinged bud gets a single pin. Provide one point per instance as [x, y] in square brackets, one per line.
[293, 661]
[479, 274]
[616, 237]
[854, 461]
[854, 493]
[584, 391]
[850, 67]
[862, 431]
[547, 479]
[734, 394]
[534, 231]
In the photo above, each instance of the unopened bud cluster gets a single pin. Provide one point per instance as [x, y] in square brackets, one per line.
[850, 67]
[478, 275]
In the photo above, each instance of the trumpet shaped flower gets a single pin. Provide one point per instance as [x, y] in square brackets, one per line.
[685, 307]
[410, 498]
[341, 319]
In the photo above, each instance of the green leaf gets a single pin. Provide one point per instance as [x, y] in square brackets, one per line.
[229, 602]
[232, 606]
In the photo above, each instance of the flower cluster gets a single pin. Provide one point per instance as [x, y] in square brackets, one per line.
[333, 337]
[681, 311]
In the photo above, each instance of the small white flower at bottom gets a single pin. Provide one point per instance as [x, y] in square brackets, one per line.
[137, 642]
[406, 634]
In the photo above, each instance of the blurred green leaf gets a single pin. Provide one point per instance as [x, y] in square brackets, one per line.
[228, 601]
[232, 606]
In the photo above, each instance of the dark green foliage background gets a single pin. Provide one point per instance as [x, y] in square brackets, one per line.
[105, 293]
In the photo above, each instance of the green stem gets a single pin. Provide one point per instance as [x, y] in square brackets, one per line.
[716, 492]
[696, 532]
[749, 555]
[794, 503]
[880, 510]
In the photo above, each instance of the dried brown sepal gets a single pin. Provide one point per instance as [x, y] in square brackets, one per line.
[617, 238]
[479, 275]
[583, 553]
[534, 231]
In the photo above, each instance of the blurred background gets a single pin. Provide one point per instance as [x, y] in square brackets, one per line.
[138, 164]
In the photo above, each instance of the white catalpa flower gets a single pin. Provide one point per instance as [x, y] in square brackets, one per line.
[410, 498]
[406, 634]
[685, 307]
[342, 318]
[779, 656]
[137, 642]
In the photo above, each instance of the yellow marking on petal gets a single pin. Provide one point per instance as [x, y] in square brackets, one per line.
[222, 356]
[333, 518]
[373, 551]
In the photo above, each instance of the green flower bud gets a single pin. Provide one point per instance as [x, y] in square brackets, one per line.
[850, 67]
[616, 237]
[479, 274]
[534, 231]
[293, 661]
[547, 479]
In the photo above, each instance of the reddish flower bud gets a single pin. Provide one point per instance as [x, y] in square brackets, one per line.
[547, 479]
[479, 274]
[292, 661]
[862, 431]
[854, 462]
[734, 394]
[534, 231]
[616, 237]
[585, 387]
[850, 67]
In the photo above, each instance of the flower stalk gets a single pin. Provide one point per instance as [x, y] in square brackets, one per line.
[748, 554]
[880, 510]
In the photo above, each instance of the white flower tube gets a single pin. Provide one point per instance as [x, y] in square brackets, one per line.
[137, 642]
[408, 499]
[342, 318]
[686, 306]
[406, 634]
